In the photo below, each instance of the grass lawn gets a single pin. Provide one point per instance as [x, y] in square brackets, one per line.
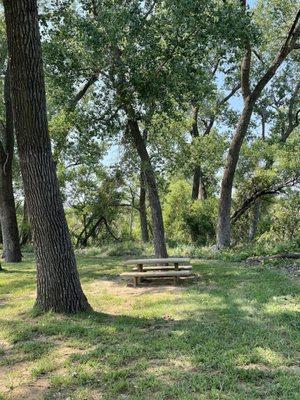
[232, 333]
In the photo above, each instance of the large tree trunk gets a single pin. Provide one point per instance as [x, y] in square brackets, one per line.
[143, 210]
[159, 241]
[224, 228]
[8, 218]
[58, 285]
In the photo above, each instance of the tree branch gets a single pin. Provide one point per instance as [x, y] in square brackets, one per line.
[258, 56]
[230, 94]
[150, 10]
[293, 120]
[209, 123]
[110, 231]
[81, 93]
[215, 67]
[286, 48]
[277, 189]
[125, 205]
[245, 72]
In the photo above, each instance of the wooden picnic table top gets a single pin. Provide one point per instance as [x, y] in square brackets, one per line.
[147, 261]
[156, 273]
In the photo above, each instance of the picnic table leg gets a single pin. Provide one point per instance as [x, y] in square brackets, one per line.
[140, 269]
[176, 265]
[135, 281]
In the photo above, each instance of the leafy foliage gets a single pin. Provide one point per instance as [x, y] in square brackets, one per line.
[166, 59]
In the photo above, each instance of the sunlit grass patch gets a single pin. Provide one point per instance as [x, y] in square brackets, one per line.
[232, 333]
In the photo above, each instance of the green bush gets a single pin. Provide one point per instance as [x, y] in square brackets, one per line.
[176, 207]
[200, 220]
[118, 249]
[188, 221]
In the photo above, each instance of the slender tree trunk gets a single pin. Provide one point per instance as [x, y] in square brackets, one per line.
[224, 228]
[160, 247]
[82, 237]
[198, 188]
[8, 217]
[255, 220]
[202, 194]
[9, 225]
[58, 285]
[131, 220]
[143, 210]
[131, 223]
[263, 127]
[197, 168]
[25, 236]
[196, 182]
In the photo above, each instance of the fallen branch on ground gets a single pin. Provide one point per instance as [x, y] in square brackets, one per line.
[260, 260]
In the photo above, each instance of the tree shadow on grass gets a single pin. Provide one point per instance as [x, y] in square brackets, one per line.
[22, 283]
[130, 355]
[203, 350]
[137, 355]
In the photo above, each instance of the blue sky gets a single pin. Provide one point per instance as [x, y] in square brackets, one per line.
[251, 3]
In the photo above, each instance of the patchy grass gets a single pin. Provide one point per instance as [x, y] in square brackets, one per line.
[233, 333]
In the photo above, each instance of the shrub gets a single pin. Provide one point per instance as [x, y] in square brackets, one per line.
[200, 220]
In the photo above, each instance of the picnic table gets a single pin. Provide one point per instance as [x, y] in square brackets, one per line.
[158, 268]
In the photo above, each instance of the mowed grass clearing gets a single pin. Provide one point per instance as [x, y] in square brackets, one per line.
[232, 333]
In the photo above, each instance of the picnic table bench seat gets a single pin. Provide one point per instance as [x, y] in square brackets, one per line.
[158, 268]
[136, 275]
[154, 261]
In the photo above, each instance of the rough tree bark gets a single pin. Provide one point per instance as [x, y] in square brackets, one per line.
[250, 97]
[58, 285]
[8, 218]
